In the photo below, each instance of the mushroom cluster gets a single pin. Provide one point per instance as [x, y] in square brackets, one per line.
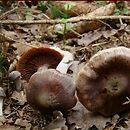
[103, 84]
[49, 87]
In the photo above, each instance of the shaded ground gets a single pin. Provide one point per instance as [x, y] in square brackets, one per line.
[16, 39]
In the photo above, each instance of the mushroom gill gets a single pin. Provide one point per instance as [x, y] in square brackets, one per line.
[35, 58]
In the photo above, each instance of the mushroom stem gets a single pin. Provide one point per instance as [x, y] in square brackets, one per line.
[15, 76]
[1, 106]
[18, 84]
[66, 62]
[43, 68]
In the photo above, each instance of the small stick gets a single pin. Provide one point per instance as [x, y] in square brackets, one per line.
[71, 20]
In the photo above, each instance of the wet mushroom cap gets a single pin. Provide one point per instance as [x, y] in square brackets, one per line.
[35, 58]
[104, 82]
[51, 90]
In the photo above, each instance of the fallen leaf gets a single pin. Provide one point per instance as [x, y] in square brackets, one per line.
[7, 110]
[10, 121]
[21, 122]
[84, 119]
[2, 120]
[10, 34]
[35, 128]
[109, 33]
[89, 37]
[13, 17]
[22, 46]
[58, 122]
[28, 126]
[8, 127]
[20, 97]
[20, 113]
[78, 8]
[127, 29]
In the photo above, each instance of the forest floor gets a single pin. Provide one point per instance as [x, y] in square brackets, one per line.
[19, 32]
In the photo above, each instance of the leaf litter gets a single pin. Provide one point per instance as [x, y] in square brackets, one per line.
[18, 115]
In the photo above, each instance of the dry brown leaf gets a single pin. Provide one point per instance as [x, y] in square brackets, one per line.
[92, 36]
[128, 124]
[109, 33]
[23, 123]
[22, 46]
[10, 34]
[79, 7]
[127, 29]
[10, 121]
[35, 128]
[13, 17]
[75, 67]
[20, 97]
[7, 110]
[57, 123]
[89, 37]
[8, 127]
[85, 119]
[2, 120]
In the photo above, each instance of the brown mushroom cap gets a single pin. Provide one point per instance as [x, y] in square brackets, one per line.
[51, 90]
[35, 58]
[104, 82]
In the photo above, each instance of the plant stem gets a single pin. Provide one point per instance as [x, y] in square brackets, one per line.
[64, 33]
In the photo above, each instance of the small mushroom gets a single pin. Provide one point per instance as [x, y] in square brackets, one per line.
[50, 88]
[104, 82]
[16, 77]
[2, 95]
[37, 59]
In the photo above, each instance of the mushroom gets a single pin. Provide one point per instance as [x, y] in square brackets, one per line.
[49, 88]
[37, 59]
[104, 82]
[16, 77]
[2, 95]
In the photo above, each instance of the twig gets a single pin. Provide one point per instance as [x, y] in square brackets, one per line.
[99, 44]
[47, 17]
[105, 24]
[71, 20]
[79, 35]
[8, 12]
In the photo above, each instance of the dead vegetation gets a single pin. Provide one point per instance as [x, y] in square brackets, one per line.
[71, 27]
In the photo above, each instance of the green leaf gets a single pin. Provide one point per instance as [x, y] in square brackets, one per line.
[65, 16]
[42, 6]
[120, 5]
[64, 20]
[100, 3]
[69, 6]
[68, 27]
[29, 16]
[117, 12]
[60, 32]
[56, 13]
[126, 11]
